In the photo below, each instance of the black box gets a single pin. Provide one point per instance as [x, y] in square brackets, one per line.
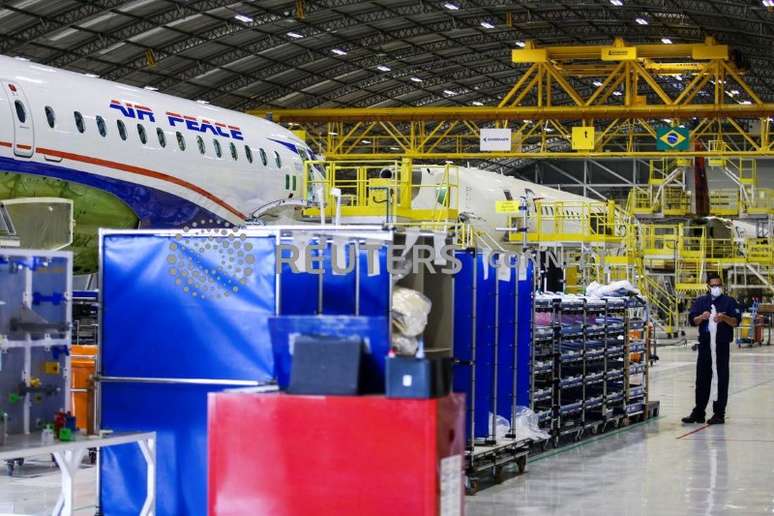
[326, 365]
[409, 377]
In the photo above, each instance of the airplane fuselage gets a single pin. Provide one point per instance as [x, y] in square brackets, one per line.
[172, 161]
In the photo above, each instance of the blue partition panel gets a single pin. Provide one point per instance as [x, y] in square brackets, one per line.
[375, 289]
[463, 333]
[524, 341]
[486, 303]
[154, 326]
[506, 341]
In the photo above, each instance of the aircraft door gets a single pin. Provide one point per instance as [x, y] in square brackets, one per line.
[21, 116]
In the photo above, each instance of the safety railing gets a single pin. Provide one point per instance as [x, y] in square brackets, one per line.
[640, 202]
[380, 190]
[659, 240]
[760, 250]
[761, 202]
[664, 302]
[724, 202]
[676, 201]
[572, 222]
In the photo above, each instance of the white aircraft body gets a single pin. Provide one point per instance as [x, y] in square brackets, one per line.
[172, 161]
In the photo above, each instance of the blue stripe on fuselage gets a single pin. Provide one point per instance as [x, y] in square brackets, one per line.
[155, 208]
[289, 145]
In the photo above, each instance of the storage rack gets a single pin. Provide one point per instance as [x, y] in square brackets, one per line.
[589, 363]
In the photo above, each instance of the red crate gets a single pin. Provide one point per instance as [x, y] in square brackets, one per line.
[278, 454]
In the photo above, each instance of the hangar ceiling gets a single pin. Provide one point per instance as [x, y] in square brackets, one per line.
[309, 53]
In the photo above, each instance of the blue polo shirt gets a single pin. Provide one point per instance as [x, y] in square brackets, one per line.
[723, 304]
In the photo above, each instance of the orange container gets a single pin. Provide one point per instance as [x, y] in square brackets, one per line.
[83, 362]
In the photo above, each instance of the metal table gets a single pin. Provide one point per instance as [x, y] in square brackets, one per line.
[69, 454]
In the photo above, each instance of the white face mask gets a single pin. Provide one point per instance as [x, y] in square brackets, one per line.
[716, 291]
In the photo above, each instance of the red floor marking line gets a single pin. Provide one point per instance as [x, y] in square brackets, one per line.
[694, 431]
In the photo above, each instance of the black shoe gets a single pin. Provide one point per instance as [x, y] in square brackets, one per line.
[716, 420]
[693, 418]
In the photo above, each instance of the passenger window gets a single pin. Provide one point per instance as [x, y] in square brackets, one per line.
[21, 113]
[277, 159]
[50, 117]
[79, 123]
[162, 137]
[101, 127]
[200, 143]
[142, 134]
[264, 160]
[218, 150]
[180, 141]
[233, 150]
[121, 129]
[248, 154]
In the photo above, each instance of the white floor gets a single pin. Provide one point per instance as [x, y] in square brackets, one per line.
[660, 467]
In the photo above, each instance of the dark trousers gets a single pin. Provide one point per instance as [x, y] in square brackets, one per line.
[704, 377]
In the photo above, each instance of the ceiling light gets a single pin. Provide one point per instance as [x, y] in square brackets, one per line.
[332, 133]
[641, 21]
[339, 52]
[452, 7]
[151, 88]
[449, 92]
[477, 103]
[746, 102]
[597, 83]
[768, 3]
[243, 18]
[416, 79]
[617, 3]
[366, 141]
[549, 130]
[734, 92]
[487, 25]
[521, 44]
[383, 68]
[617, 93]
[295, 35]
[394, 148]
[666, 41]
[679, 77]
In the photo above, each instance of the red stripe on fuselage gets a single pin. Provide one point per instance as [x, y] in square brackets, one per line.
[139, 171]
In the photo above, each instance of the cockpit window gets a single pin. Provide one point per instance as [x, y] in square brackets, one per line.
[248, 154]
[264, 159]
[21, 113]
[180, 140]
[277, 159]
[218, 150]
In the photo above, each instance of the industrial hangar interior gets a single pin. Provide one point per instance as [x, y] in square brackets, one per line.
[386, 257]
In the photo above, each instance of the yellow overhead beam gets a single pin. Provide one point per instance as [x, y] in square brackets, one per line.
[487, 113]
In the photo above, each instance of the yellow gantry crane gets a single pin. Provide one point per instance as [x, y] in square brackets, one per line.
[618, 100]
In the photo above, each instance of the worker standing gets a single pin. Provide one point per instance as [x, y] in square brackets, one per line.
[716, 315]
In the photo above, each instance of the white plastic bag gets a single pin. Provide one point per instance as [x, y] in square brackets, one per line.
[409, 311]
[526, 425]
[502, 427]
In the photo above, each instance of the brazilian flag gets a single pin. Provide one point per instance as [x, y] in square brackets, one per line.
[673, 138]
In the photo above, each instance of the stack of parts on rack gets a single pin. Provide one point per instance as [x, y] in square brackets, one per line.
[589, 363]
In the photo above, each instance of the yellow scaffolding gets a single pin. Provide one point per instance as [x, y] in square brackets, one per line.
[378, 189]
[570, 222]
